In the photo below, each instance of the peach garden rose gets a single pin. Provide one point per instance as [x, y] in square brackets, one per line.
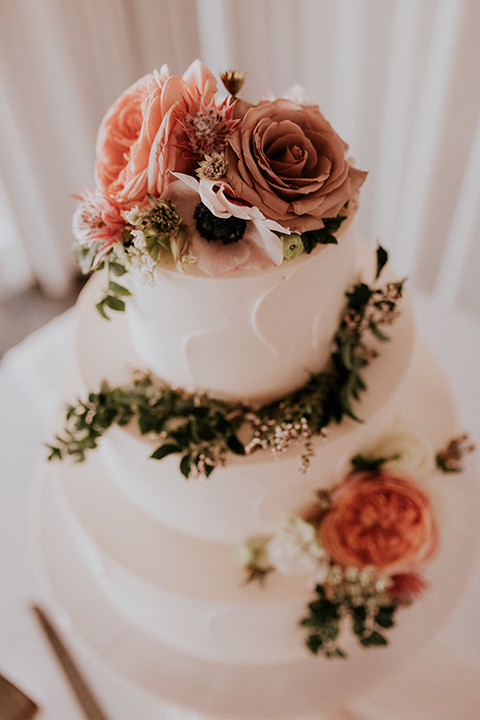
[287, 160]
[379, 520]
[138, 139]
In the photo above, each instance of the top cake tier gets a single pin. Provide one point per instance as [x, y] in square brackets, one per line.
[250, 337]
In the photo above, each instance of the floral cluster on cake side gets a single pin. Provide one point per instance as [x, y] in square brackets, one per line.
[211, 180]
[364, 544]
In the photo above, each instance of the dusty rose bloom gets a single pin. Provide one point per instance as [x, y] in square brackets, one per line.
[137, 141]
[287, 160]
[380, 520]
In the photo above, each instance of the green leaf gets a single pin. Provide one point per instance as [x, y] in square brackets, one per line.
[117, 269]
[114, 303]
[359, 296]
[359, 613]
[322, 236]
[235, 445]
[384, 616]
[101, 309]
[314, 643]
[164, 450]
[186, 465]
[347, 355]
[117, 289]
[55, 453]
[378, 333]
[209, 469]
[337, 652]
[362, 462]
[375, 639]
[382, 259]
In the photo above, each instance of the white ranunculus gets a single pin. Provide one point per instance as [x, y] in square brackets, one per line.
[295, 549]
[409, 451]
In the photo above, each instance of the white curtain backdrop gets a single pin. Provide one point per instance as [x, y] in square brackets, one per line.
[398, 79]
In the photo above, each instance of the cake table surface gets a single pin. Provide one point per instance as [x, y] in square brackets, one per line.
[440, 682]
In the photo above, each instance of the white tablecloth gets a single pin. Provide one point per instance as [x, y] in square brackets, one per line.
[443, 682]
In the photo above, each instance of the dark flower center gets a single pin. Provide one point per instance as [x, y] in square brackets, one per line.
[209, 226]
[164, 218]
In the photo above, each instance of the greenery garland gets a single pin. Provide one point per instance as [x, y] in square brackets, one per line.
[202, 429]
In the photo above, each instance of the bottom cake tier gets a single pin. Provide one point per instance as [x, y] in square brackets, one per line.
[133, 593]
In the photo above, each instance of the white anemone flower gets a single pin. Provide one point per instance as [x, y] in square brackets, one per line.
[258, 248]
[295, 549]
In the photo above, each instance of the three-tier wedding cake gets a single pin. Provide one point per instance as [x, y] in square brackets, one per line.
[261, 514]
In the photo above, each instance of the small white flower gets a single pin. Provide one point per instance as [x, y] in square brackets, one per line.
[335, 575]
[134, 216]
[351, 574]
[410, 453]
[366, 575]
[139, 240]
[321, 572]
[138, 259]
[299, 95]
[383, 583]
[295, 549]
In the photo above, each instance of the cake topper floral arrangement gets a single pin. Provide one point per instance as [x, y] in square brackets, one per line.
[208, 180]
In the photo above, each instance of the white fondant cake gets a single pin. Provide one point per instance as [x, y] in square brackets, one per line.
[250, 337]
[259, 341]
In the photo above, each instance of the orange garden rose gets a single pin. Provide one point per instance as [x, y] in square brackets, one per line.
[287, 160]
[379, 520]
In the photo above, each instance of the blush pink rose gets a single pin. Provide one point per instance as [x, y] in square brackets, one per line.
[136, 146]
[287, 160]
[379, 520]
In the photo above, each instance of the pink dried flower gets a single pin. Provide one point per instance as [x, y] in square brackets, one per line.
[206, 126]
[97, 219]
[406, 587]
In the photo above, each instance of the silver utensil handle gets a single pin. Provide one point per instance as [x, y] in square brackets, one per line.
[82, 691]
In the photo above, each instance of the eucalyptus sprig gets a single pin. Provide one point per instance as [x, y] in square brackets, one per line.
[88, 420]
[202, 429]
[199, 428]
[115, 293]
